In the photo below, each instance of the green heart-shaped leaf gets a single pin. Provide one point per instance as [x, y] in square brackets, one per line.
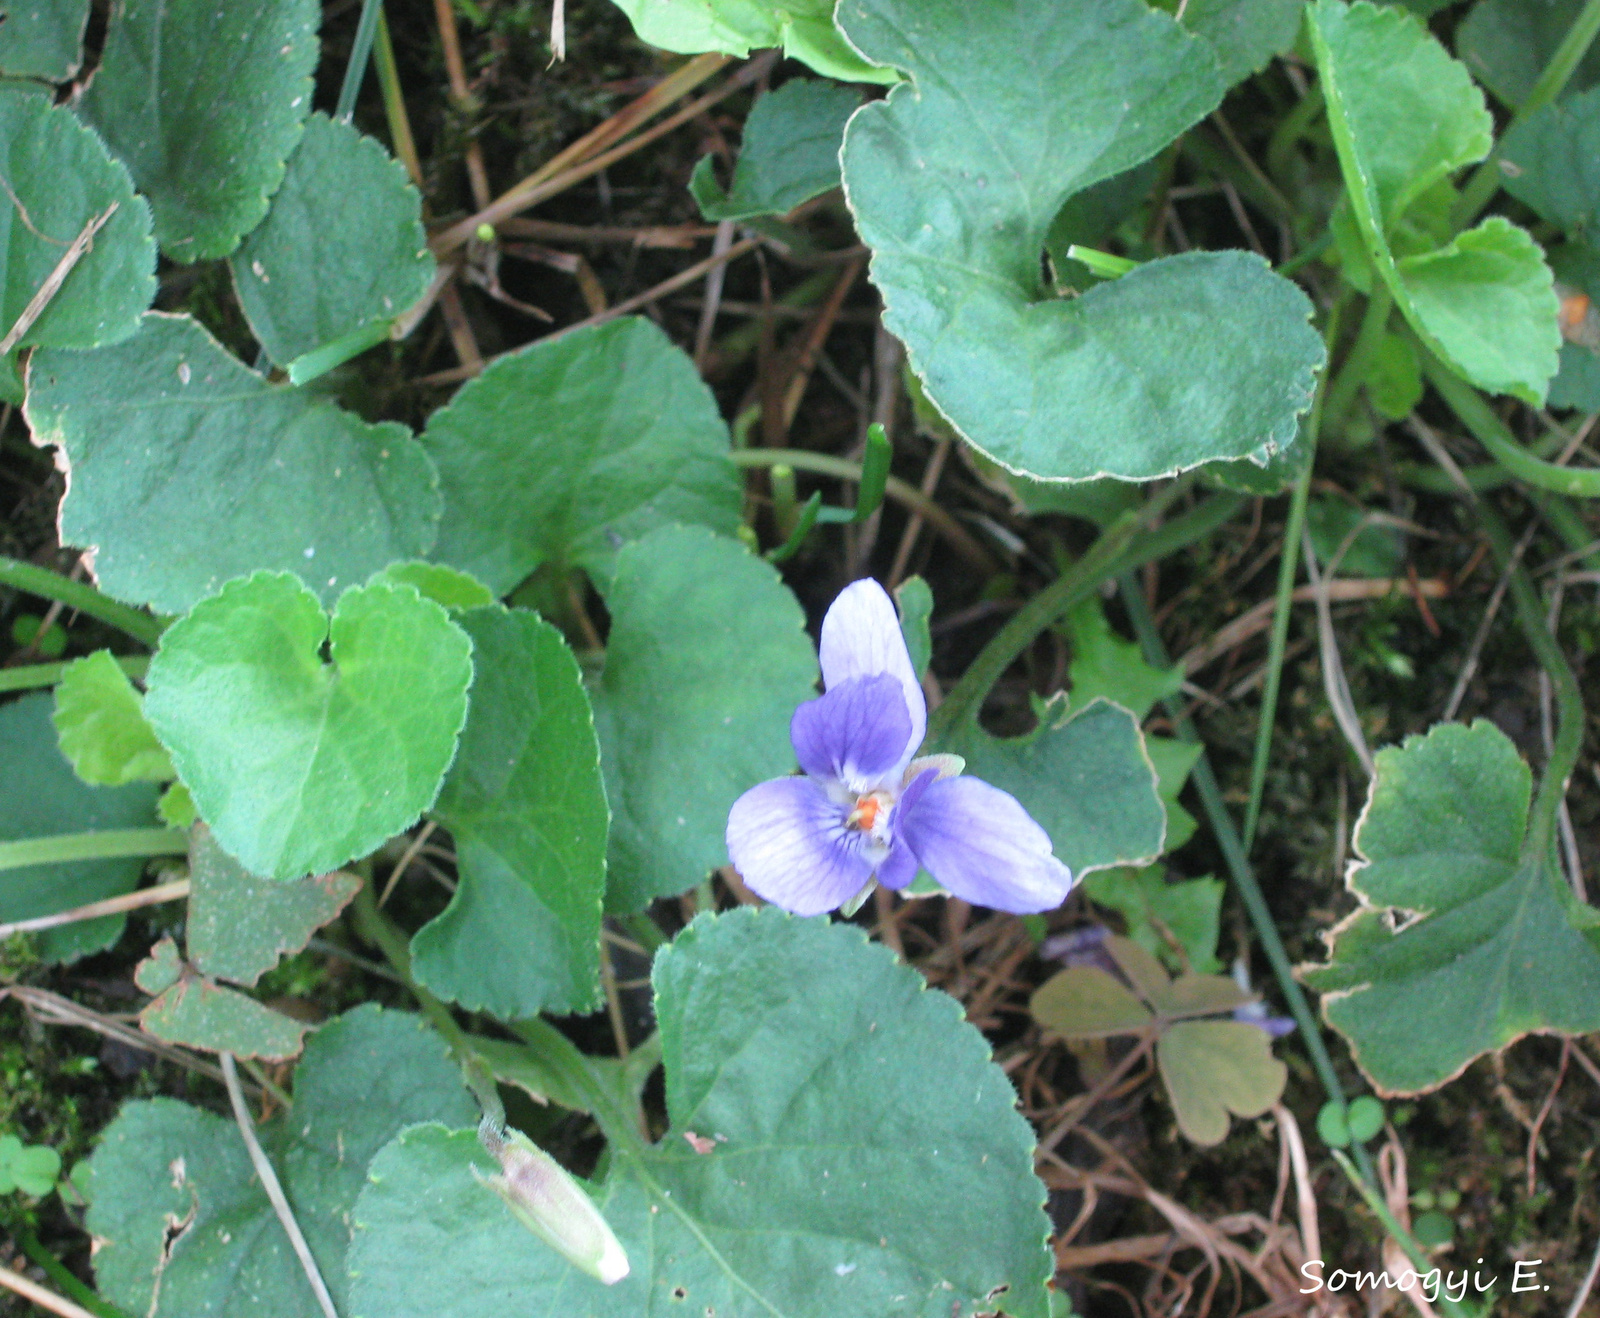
[706, 661]
[299, 765]
[103, 729]
[789, 153]
[61, 178]
[955, 180]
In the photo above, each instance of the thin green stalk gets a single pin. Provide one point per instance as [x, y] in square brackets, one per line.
[1102, 560]
[1358, 363]
[377, 928]
[1485, 180]
[1413, 1250]
[394, 105]
[1306, 255]
[63, 1276]
[645, 931]
[1491, 432]
[355, 71]
[1233, 852]
[1277, 644]
[1568, 741]
[98, 844]
[34, 580]
[1562, 518]
[29, 677]
[1291, 128]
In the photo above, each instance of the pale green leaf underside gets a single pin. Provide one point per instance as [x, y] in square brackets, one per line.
[240, 925]
[62, 176]
[204, 103]
[566, 449]
[706, 661]
[199, 1014]
[804, 28]
[43, 38]
[526, 806]
[364, 1076]
[789, 153]
[954, 181]
[1404, 116]
[1085, 777]
[342, 248]
[101, 727]
[1495, 953]
[867, 1159]
[299, 765]
[40, 795]
[188, 469]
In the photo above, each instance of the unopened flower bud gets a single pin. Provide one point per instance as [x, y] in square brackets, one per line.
[546, 1199]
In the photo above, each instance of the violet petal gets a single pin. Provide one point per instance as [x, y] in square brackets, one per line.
[788, 841]
[980, 844]
[861, 638]
[899, 868]
[855, 734]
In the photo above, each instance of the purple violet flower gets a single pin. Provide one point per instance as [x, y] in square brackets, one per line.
[865, 810]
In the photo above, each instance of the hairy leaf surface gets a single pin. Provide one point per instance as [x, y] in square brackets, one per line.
[526, 806]
[187, 468]
[165, 1167]
[955, 180]
[569, 448]
[204, 103]
[865, 1159]
[706, 661]
[297, 764]
[1463, 941]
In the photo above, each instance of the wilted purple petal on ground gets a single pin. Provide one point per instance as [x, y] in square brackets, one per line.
[861, 638]
[788, 841]
[980, 844]
[855, 734]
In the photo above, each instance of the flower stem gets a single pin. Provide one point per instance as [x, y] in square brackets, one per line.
[29, 677]
[98, 844]
[1105, 557]
[1485, 180]
[34, 580]
[1491, 432]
